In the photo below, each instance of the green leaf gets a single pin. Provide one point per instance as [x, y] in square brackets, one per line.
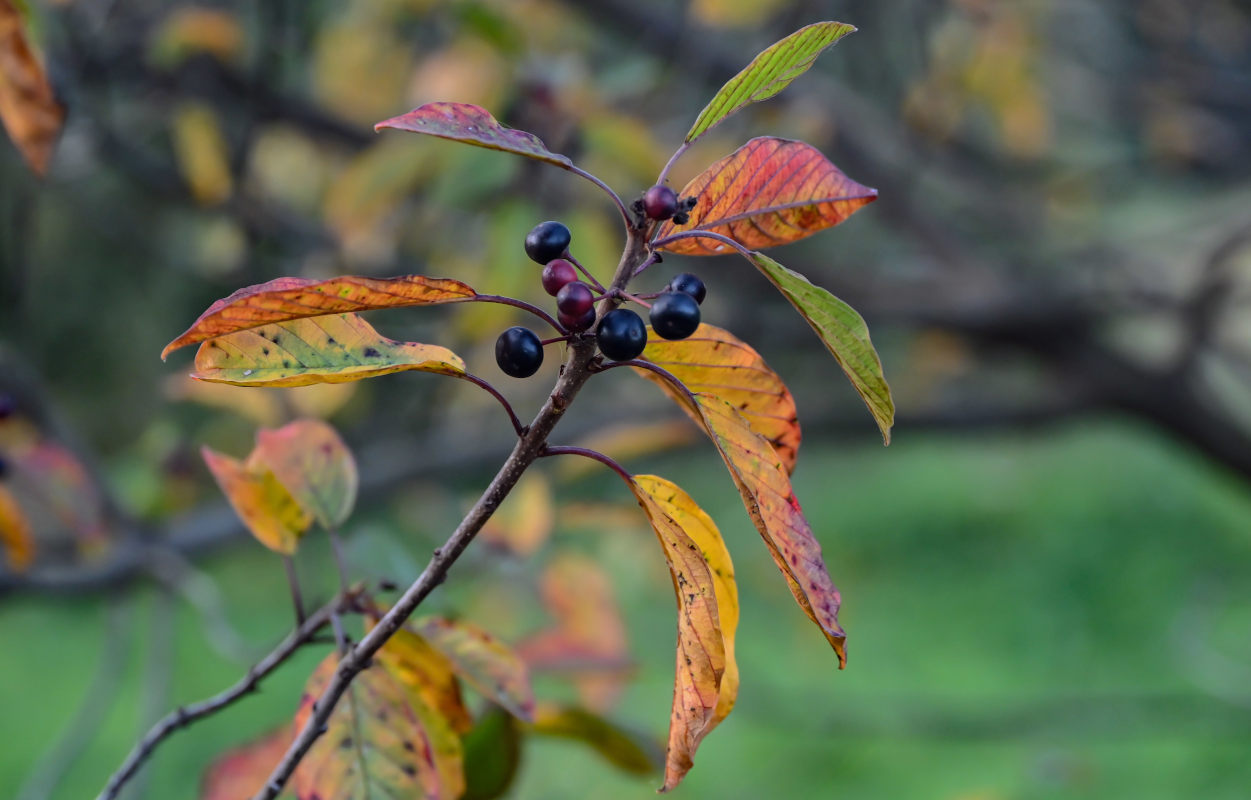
[623, 748]
[492, 755]
[844, 334]
[769, 73]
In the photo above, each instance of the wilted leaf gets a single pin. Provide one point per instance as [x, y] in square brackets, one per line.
[706, 679]
[625, 749]
[470, 124]
[628, 440]
[316, 467]
[716, 362]
[294, 298]
[242, 771]
[525, 519]
[428, 673]
[843, 332]
[15, 538]
[490, 666]
[28, 106]
[331, 349]
[202, 154]
[492, 755]
[380, 741]
[265, 506]
[767, 193]
[769, 73]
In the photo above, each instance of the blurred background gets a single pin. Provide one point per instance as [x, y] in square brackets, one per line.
[1046, 577]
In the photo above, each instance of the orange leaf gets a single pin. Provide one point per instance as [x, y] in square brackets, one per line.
[294, 298]
[430, 674]
[488, 664]
[243, 770]
[314, 465]
[28, 106]
[715, 361]
[380, 741]
[470, 124]
[706, 679]
[330, 349]
[15, 538]
[768, 192]
[265, 506]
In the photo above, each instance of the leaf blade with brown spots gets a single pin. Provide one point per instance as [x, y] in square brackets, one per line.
[473, 125]
[29, 109]
[489, 665]
[285, 299]
[328, 349]
[769, 192]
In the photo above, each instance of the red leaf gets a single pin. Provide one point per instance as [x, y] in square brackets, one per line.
[242, 771]
[470, 124]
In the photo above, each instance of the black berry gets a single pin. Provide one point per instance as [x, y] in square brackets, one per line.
[576, 324]
[547, 241]
[556, 274]
[675, 315]
[660, 202]
[518, 352]
[686, 283]
[574, 299]
[622, 335]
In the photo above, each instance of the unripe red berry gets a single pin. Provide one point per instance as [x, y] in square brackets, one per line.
[575, 299]
[556, 274]
[660, 202]
[576, 324]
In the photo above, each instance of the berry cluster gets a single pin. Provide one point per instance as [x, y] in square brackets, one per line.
[621, 334]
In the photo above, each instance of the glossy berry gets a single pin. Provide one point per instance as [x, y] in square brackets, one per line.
[660, 202]
[675, 315]
[622, 335]
[518, 352]
[574, 299]
[547, 241]
[576, 324]
[556, 274]
[686, 283]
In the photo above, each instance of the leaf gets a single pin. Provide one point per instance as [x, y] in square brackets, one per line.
[716, 362]
[706, 679]
[843, 332]
[265, 506]
[470, 124]
[380, 742]
[524, 521]
[29, 108]
[766, 491]
[316, 467]
[429, 674]
[202, 153]
[15, 538]
[332, 349]
[492, 755]
[285, 299]
[769, 192]
[489, 665]
[769, 73]
[624, 749]
[242, 771]
[55, 482]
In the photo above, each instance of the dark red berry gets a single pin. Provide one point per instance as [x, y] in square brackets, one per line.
[575, 299]
[622, 335]
[576, 324]
[686, 283]
[660, 202]
[518, 352]
[556, 274]
[675, 315]
[547, 241]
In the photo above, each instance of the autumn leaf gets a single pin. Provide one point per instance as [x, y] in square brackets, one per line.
[265, 506]
[15, 538]
[316, 467]
[285, 299]
[29, 108]
[625, 749]
[56, 483]
[202, 153]
[470, 124]
[489, 665]
[769, 73]
[380, 741]
[524, 520]
[716, 362]
[843, 332]
[331, 349]
[769, 192]
[429, 673]
[243, 770]
[706, 678]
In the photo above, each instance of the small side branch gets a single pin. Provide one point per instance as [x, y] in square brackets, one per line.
[508, 407]
[515, 303]
[592, 454]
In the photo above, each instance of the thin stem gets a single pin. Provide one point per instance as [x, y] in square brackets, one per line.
[555, 339]
[512, 415]
[661, 371]
[588, 453]
[515, 303]
[182, 717]
[297, 597]
[673, 237]
[673, 159]
[625, 215]
[654, 258]
[569, 257]
[340, 562]
[635, 299]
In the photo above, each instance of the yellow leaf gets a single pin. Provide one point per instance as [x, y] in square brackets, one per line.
[191, 30]
[490, 666]
[524, 520]
[429, 674]
[202, 153]
[19, 546]
[265, 506]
